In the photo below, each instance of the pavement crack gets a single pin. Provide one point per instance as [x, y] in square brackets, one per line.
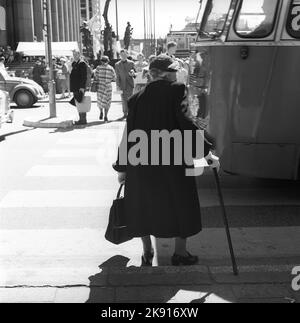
[44, 286]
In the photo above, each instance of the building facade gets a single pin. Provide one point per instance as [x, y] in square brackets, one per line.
[22, 21]
[86, 9]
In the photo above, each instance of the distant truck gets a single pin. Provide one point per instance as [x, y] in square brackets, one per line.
[24, 92]
[6, 115]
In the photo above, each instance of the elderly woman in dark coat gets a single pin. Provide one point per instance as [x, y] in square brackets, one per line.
[161, 201]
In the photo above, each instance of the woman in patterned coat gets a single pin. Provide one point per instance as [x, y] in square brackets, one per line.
[104, 76]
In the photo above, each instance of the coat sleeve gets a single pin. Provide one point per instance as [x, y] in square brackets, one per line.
[184, 116]
[83, 75]
[124, 147]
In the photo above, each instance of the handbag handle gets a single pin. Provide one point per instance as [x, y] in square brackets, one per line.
[119, 192]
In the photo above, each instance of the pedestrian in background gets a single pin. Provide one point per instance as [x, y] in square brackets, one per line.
[140, 80]
[2, 64]
[78, 81]
[160, 200]
[171, 49]
[104, 76]
[37, 72]
[182, 74]
[125, 70]
[65, 78]
[89, 77]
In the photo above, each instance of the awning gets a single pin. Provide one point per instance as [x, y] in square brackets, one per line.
[39, 49]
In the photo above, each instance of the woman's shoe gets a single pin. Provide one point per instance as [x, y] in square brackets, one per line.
[101, 116]
[184, 261]
[105, 119]
[147, 259]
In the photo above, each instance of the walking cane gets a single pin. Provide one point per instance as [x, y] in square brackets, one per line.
[225, 218]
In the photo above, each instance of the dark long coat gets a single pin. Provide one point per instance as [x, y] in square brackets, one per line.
[160, 200]
[78, 77]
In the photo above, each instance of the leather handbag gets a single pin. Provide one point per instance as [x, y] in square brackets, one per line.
[117, 231]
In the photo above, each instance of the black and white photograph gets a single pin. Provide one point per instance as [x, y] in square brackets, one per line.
[149, 155]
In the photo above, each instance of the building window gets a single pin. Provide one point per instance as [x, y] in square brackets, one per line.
[2, 19]
[256, 18]
[293, 20]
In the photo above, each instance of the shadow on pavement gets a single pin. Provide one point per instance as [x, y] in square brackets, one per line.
[15, 133]
[89, 125]
[118, 283]
[34, 107]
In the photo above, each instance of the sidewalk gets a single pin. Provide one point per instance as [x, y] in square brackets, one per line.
[200, 284]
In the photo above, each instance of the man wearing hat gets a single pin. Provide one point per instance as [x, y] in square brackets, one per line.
[161, 201]
[104, 76]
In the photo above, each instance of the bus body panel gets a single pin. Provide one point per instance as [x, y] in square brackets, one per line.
[249, 88]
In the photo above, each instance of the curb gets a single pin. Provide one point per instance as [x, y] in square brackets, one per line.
[48, 123]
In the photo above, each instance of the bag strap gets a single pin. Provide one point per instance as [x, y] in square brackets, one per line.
[120, 191]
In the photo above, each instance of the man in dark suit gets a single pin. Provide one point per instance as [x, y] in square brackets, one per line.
[125, 71]
[78, 80]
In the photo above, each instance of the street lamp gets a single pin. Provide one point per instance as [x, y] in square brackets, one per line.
[48, 44]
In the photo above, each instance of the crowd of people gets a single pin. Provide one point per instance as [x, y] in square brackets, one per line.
[8, 54]
[130, 76]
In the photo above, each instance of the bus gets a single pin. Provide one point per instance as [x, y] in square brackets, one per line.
[244, 79]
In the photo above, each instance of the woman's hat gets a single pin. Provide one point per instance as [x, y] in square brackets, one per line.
[165, 63]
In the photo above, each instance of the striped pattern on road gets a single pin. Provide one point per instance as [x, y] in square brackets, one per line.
[72, 171]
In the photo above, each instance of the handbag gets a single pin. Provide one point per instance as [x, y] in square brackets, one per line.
[117, 231]
[85, 105]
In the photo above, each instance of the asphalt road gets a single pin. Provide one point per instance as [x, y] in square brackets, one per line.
[55, 193]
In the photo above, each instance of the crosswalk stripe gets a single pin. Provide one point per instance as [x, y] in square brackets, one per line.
[72, 153]
[103, 198]
[57, 198]
[72, 171]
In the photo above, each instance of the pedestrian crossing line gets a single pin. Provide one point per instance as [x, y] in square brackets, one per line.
[90, 243]
[106, 138]
[104, 198]
[58, 198]
[73, 153]
[105, 170]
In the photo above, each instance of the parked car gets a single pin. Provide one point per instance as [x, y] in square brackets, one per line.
[24, 92]
[6, 115]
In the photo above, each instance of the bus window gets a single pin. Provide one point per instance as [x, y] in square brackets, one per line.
[214, 17]
[293, 20]
[256, 18]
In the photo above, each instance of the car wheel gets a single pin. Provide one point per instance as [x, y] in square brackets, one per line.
[24, 99]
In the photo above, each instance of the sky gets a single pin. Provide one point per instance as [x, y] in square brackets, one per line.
[167, 12]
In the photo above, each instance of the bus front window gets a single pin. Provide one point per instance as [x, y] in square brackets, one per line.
[256, 18]
[214, 17]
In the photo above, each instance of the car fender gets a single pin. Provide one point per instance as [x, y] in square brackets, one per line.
[22, 87]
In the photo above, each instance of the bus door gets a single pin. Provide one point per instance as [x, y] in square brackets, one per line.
[252, 53]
